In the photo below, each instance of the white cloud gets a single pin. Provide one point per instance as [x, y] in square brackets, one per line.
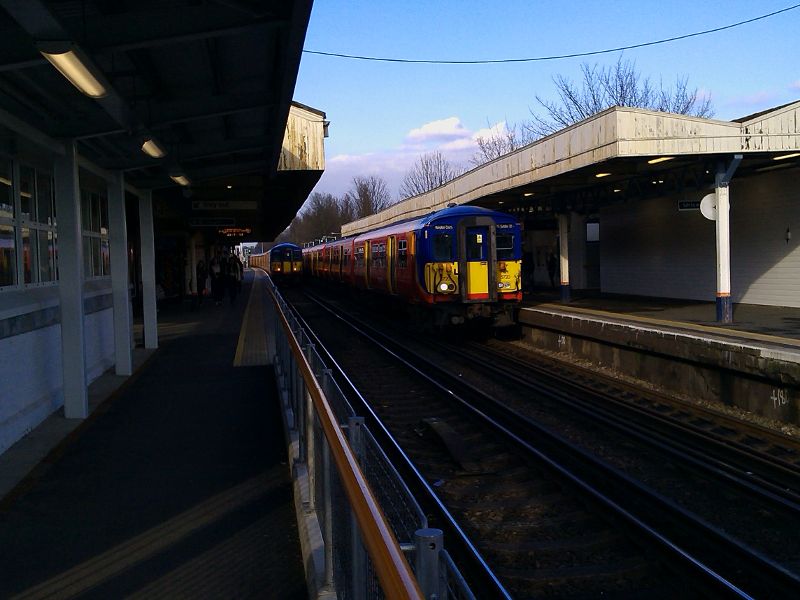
[443, 129]
[448, 136]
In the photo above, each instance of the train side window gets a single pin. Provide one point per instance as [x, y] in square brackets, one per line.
[346, 257]
[402, 253]
[505, 246]
[443, 247]
[359, 255]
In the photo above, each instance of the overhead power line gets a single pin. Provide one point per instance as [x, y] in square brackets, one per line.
[554, 57]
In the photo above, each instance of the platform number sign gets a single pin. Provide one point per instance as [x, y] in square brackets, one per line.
[779, 398]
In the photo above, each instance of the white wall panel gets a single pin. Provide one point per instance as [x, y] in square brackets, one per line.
[649, 248]
[99, 332]
[30, 369]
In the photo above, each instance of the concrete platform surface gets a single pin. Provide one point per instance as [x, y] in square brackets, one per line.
[175, 487]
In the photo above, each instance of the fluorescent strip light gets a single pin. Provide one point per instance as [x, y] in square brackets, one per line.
[180, 179]
[602, 174]
[654, 161]
[528, 194]
[5, 181]
[152, 149]
[781, 157]
[75, 70]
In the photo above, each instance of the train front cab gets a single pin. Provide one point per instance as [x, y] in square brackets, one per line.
[476, 262]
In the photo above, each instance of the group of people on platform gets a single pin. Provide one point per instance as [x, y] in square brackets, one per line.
[223, 275]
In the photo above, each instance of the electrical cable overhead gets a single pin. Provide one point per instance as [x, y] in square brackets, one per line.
[554, 57]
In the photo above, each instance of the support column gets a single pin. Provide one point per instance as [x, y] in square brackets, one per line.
[70, 283]
[724, 306]
[563, 235]
[148, 270]
[118, 235]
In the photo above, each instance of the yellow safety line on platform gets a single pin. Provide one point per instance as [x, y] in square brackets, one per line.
[251, 350]
[122, 557]
[764, 337]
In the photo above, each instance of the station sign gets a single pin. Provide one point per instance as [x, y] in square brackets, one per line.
[688, 205]
[224, 205]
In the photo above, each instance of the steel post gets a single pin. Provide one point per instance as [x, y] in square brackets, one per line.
[428, 544]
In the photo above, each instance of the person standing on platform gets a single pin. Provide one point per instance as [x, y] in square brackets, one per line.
[217, 281]
[200, 280]
[234, 277]
[552, 265]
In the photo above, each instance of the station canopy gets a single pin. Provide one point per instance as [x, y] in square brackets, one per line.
[618, 155]
[208, 83]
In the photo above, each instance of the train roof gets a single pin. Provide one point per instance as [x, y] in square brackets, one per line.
[283, 245]
[419, 222]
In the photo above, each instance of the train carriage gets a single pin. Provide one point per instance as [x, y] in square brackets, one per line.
[284, 262]
[461, 263]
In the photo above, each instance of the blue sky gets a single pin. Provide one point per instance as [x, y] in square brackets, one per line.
[384, 115]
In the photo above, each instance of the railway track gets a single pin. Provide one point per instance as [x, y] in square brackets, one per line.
[530, 516]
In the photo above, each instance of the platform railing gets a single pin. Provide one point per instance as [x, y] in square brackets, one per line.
[377, 543]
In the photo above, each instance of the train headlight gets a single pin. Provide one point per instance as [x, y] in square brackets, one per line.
[443, 287]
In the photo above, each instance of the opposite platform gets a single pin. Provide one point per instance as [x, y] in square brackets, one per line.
[176, 486]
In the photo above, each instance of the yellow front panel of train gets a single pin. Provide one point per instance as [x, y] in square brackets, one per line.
[441, 278]
[478, 279]
[509, 275]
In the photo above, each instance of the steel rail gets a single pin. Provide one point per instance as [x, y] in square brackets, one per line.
[713, 579]
[648, 434]
[393, 571]
[449, 521]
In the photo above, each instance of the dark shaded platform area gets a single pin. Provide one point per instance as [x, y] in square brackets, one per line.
[175, 487]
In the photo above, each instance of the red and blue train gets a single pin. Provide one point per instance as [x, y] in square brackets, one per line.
[454, 265]
[284, 262]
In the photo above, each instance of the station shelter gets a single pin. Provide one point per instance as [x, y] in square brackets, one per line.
[136, 139]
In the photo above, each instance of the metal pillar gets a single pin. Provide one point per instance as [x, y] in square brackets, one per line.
[428, 544]
[148, 270]
[723, 237]
[118, 234]
[358, 553]
[563, 241]
[70, 283]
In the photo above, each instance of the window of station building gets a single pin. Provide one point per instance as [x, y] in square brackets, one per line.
[402, 253]
[443, 247]
[28, 238]
[94, 215]
[505, 246]
[38, 231]
[8, 248]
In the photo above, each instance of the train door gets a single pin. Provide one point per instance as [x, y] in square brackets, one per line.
[391, 263]
[477, 259]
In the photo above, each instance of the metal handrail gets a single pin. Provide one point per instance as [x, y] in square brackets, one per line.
[393, 571]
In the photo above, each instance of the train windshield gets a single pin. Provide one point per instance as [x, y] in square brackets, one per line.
[443, 247]
[505, 246]
[297, 255]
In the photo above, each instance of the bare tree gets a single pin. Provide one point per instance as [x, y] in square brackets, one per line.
[618, 85]
[429, 172]
[367, 196]
[501, 142]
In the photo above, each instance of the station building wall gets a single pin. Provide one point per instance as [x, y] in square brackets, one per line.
[650, 248]
[31, 375]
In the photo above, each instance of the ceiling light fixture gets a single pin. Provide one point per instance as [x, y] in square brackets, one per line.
[783, 156]
[602, 174]
[528, 194]
[153, 149]
[180, 179]
[75, 66]
[654, 161]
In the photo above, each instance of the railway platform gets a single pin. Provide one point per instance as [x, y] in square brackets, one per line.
[677, 346]
[176, 485]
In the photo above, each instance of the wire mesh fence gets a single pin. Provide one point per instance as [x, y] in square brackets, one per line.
[349, 570]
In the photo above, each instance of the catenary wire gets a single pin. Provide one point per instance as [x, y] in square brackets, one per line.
[553, 57]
